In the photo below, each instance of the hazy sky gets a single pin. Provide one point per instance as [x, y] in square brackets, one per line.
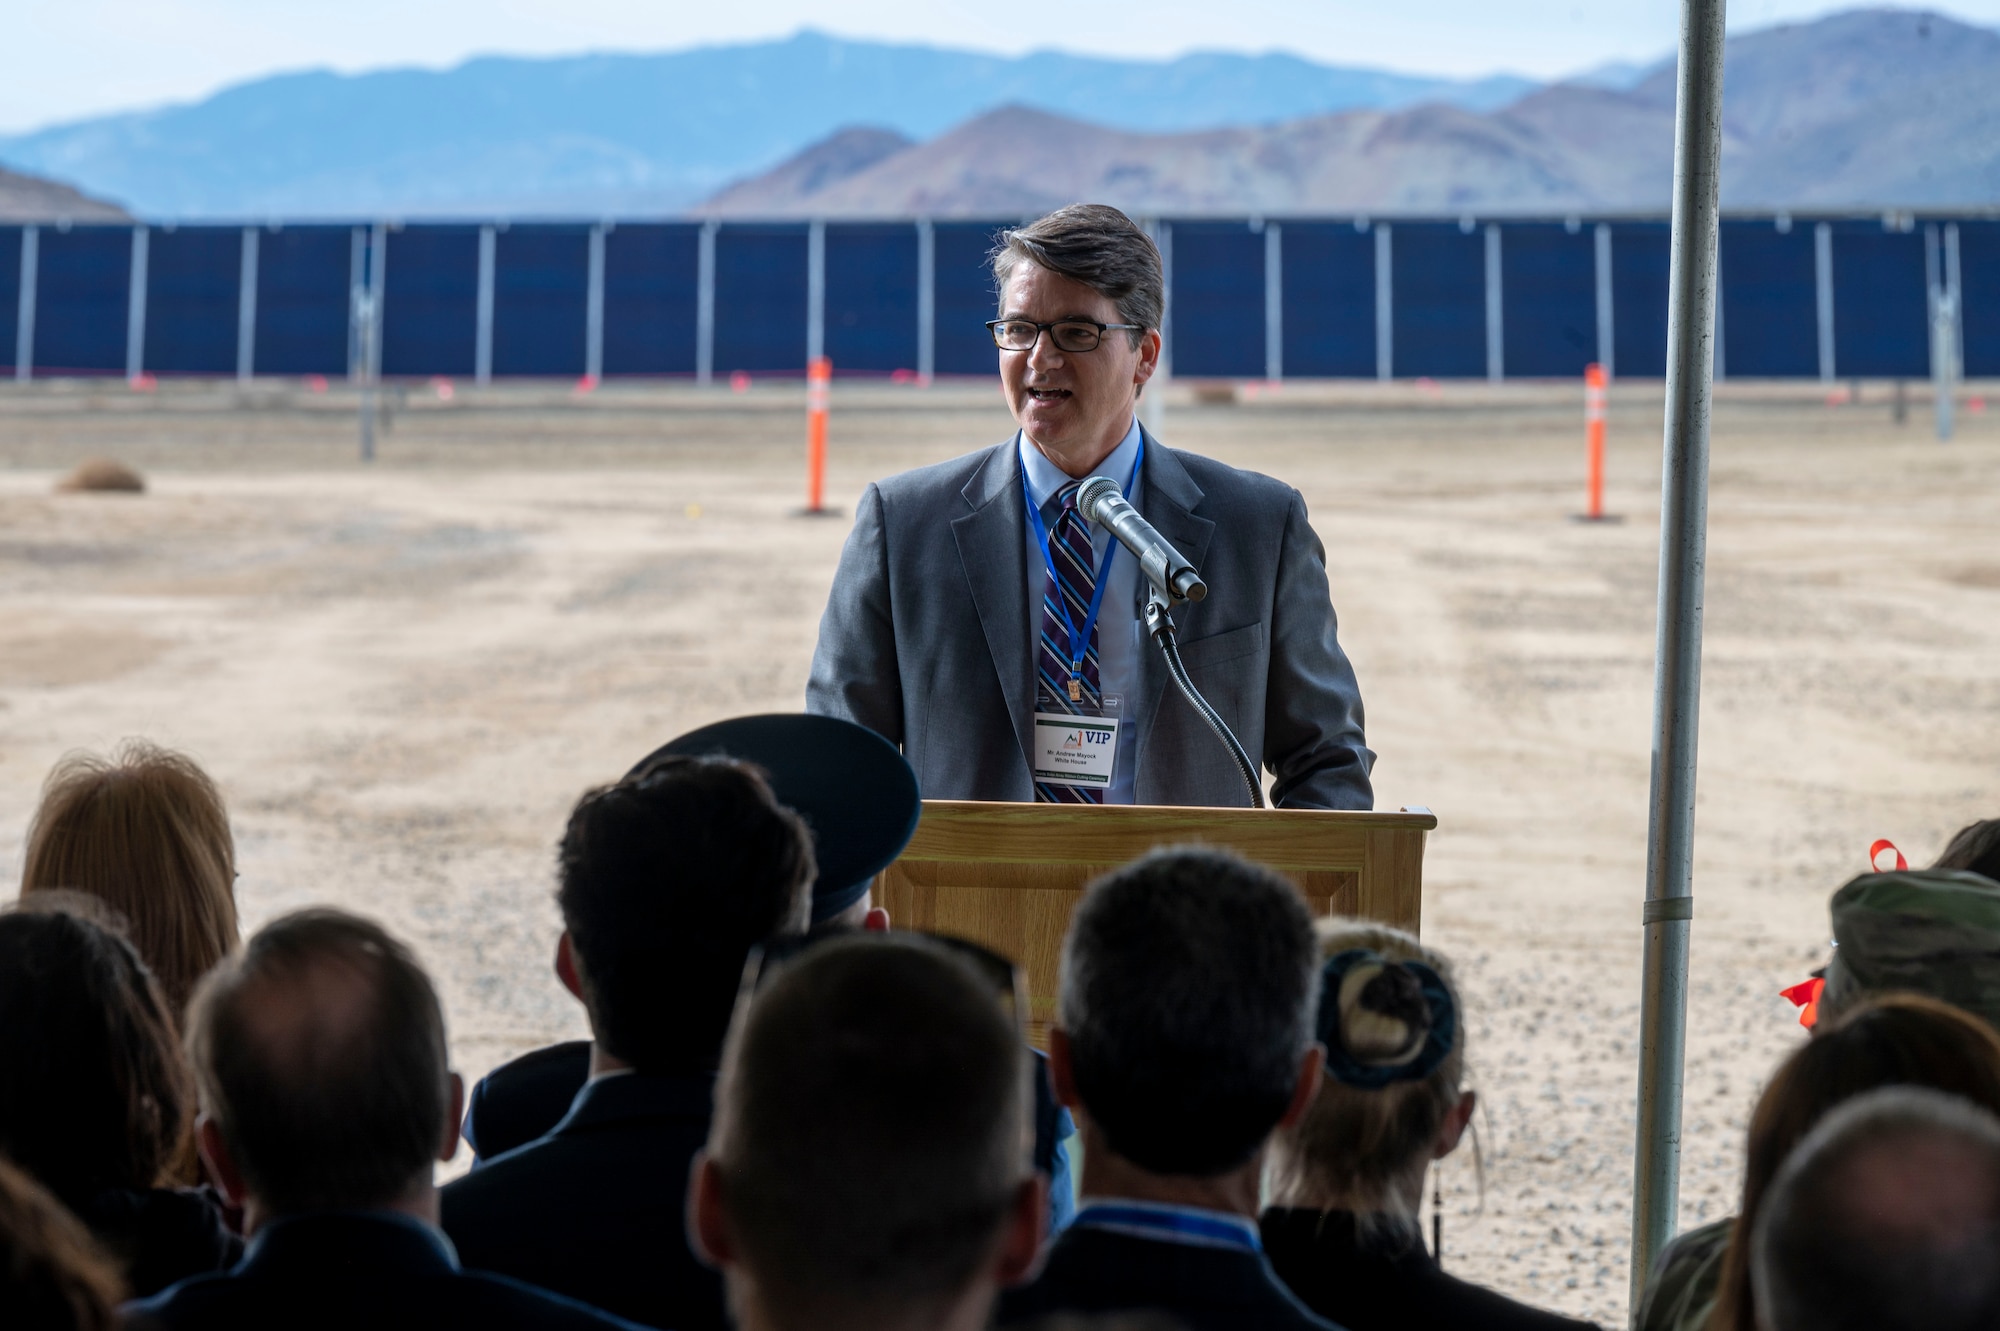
[60, 59]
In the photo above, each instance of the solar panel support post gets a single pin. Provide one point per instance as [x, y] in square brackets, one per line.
[1941, 372]
[1933, 277]
[1666, 920]
[135, 306]
[482, 340]
[24, 312]
[1385, 304]
[1941, 274]
[1957, 300]
[357, 287]
[704, 303]
[246, 308]
[378, 287]
[815, 290]
[1823, 297]
[1153, 401]
[1606, 311]
[593, 308]
[368, 322]
[1496, 312]
[1274, 301]
[926, 300]
[1720, 363]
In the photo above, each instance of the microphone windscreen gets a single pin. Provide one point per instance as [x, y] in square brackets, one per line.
[1092, 495]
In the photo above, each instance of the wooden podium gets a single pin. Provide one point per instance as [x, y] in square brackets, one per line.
[1008, 875]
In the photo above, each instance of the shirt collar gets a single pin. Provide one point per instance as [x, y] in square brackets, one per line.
[651, 1096]
[389, 1238]
[1195, 1226]
[1045, 477]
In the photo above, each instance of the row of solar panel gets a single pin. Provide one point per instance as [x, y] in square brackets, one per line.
[1300, 298]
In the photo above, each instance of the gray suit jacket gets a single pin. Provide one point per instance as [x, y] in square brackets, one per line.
[926, 639]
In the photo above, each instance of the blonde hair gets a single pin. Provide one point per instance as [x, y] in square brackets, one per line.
[146, 833]
[1357, 1143]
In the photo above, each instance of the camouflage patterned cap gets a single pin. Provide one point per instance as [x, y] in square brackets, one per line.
[1933, 931]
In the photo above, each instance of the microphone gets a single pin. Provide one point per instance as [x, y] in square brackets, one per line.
[1099, 502]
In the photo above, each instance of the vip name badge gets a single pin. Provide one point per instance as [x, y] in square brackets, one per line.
[1075, 750]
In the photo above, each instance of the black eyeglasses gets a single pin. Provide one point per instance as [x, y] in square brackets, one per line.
[999, 972]
[1067, 334]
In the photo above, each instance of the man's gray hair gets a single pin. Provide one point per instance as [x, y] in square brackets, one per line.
[1095, 244]
[1886, 1217]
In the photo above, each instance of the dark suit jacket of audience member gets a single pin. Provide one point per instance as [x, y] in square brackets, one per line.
[1318, 1255]
[1203, 1288]
[359, 1271]
[159, 1235]
[594, 1209]
[522, 1100]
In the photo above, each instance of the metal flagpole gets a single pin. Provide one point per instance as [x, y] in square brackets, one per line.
[1669, 908]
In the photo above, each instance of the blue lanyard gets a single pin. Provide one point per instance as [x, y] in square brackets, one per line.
[1170, 1224]
[1079, 639]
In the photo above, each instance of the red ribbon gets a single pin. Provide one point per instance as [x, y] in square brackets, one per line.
[1805, 994]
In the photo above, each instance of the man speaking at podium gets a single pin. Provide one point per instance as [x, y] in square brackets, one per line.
[981, 622]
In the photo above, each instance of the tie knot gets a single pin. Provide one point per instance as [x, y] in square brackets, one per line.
[1067, 496]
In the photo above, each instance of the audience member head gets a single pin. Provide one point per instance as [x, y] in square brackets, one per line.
[52, 1275]
[1974, 849]
[145, 831]
[669, 878]
[1926, 931]
[1890, 1040]
[320, 1057]
[93, 1092]
[1886, 1218]
[1189, 983]
[1392, 1099]
[868, 1162]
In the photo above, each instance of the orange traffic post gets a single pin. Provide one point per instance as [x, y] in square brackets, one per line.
[819, 385]
[1593, 417]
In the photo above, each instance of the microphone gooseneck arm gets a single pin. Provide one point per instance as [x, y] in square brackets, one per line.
[1161, 626]
[1170, 579]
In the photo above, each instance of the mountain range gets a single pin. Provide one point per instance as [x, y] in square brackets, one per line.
[602, 134]
[1866, 109]
[33, 199]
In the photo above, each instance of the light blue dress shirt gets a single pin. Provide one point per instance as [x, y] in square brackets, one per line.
[1120, 624]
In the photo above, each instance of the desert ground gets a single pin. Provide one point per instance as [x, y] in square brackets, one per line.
[404, 673]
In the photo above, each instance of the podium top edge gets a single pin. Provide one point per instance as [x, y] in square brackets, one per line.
[1186, 816]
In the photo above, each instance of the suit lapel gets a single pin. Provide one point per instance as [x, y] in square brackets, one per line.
[992, 549]
[1168, 499]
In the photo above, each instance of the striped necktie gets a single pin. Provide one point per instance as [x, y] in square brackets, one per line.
[1075, 581]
